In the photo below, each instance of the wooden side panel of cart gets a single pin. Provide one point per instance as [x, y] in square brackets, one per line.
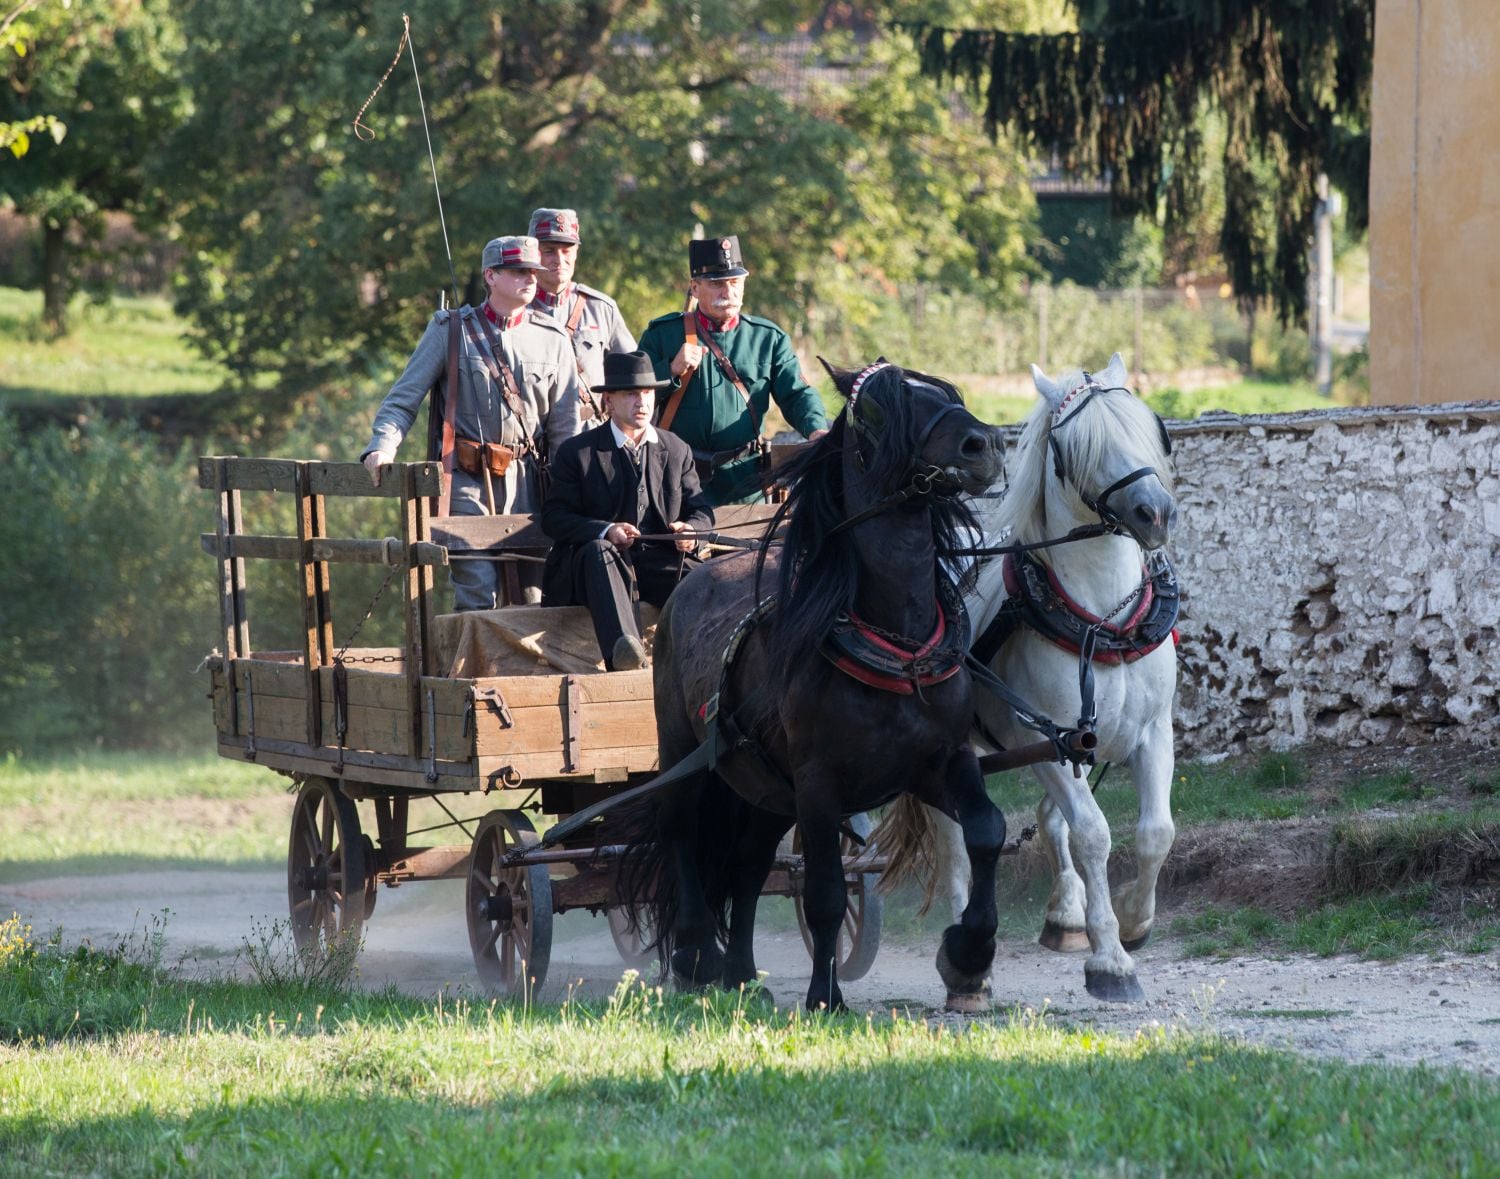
[482, 734]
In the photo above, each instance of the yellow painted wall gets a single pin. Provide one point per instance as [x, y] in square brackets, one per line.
[1435, 202]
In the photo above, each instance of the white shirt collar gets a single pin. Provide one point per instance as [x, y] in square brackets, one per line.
[620, 439]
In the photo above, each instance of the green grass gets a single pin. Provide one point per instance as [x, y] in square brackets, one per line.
[159, 1075]
[1393, 924]
[115, 812]
[131, 346]
[1290, 1012]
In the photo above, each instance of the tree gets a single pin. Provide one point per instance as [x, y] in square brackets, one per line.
[312, 252]
[1127, 97]
[16, 36]
[105, 68]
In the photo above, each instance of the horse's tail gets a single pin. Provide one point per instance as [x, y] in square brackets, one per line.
[905, 836]
[646, 875]
[645, 887]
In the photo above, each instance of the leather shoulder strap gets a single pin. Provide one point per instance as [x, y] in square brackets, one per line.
[689, 336]
[450, 411]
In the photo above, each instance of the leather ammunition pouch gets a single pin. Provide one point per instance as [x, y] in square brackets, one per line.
[474, 457]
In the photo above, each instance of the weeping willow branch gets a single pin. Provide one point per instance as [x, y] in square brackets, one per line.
[1124, 101]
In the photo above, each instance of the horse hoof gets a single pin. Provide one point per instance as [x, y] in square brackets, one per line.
[1063, 940]
[964, 967]
[755, 993]
[1133, 944]
[968, 1003]
[1113, 988]
[692, 969]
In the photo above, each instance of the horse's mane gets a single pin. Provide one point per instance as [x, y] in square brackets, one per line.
[819, 571]
[1113, 420]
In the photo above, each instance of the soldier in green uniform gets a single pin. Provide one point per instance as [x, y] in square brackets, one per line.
[738, 365]
[590, 317]
[517, 401]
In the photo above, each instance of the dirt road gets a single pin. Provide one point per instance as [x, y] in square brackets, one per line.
[1438, 1011]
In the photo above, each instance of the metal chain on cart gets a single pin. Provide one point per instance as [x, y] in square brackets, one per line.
[341, 671]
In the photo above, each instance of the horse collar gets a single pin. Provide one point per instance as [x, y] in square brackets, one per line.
[1037, 600]
[895, 663]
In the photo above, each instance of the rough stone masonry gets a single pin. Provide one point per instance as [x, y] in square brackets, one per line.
[1341, 570]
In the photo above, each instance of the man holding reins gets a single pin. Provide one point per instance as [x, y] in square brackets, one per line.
[620, 494]
[590, 317]
[725, 369]
[515, 398]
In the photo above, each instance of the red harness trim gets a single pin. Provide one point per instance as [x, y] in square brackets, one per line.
[1013, 589]
[902, 686]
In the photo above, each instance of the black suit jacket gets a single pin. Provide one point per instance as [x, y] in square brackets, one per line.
[589, 490]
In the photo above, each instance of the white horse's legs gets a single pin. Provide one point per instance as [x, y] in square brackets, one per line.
[1063, 929]
[952, 861]
[1135, 900]
[1108, 973]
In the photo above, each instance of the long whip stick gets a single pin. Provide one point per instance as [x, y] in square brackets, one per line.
[364, 134]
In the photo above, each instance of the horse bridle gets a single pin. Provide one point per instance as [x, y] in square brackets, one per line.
[924, 480]
[1099, 504]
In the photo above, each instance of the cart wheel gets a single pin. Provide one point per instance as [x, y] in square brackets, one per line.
[630, 943]
[859, 938]
[325, 870]
[372, 886]
[509, 909]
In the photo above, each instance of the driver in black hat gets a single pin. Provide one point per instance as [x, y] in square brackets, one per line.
[618, 492]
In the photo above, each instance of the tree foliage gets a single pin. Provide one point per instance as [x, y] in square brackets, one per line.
[311, 251]
[104, 70]
[1126, 98]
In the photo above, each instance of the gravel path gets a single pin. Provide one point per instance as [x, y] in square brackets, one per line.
[1443, 1011]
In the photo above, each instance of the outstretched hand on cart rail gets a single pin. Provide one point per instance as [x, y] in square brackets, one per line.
[373, 462]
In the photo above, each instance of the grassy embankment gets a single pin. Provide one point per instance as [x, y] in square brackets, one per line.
[1400, 856]
[132, 346]
[107, 1066]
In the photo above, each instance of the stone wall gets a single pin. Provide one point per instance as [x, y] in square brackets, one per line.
[1342, 576]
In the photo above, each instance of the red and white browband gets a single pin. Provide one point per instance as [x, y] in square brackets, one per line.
[864, 376]
[1067, 401]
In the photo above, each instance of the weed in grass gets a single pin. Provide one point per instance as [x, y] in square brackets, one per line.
[1483, 785]
[1277, 771]
[278, 964]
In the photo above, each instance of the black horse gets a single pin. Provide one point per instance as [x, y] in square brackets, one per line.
[832, 697]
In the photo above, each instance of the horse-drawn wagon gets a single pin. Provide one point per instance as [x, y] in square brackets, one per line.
[484, 704]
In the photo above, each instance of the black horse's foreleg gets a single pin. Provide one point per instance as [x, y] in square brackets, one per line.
[754, 855]
[968, 948]
[696, 958]
[824, 891]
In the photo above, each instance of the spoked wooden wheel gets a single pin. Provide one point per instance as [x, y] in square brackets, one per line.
[509, 908]
[326, 870]
[630, 943]
[864, 909]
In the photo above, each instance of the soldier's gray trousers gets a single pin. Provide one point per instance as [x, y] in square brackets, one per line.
[476, 583]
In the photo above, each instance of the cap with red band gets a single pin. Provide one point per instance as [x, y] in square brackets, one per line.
[512, 253]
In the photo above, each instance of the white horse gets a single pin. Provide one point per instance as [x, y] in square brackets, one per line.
[1090, 451]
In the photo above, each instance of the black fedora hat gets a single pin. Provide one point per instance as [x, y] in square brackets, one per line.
[715, 257]
[624, 371]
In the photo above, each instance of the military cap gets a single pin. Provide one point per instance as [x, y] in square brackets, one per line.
[512, 253]
[554, 225]
[715, 257]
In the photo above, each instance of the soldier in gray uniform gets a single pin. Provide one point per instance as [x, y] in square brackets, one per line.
[517, 401]
[590, 317]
